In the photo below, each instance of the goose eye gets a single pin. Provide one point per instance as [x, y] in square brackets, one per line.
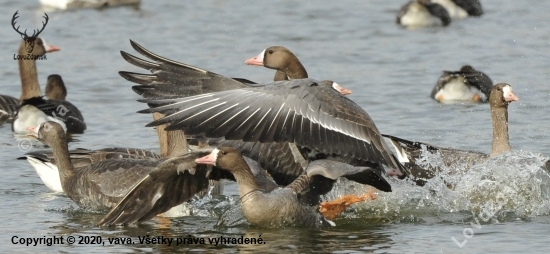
[499, 89]
[223, 152]
[270, 51]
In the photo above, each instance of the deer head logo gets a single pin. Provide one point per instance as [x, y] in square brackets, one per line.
[29, 40]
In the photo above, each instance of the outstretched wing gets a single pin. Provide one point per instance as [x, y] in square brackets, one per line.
[171, 183]
[174, 79]
[297, 111]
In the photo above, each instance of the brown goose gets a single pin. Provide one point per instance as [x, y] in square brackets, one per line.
[171, 143]
[501, 95]
[287, 65]
[29, 79]
[295, 204]
[465, 85]
[421, 13]
[55, 88]
[100, 185]
[174, 79]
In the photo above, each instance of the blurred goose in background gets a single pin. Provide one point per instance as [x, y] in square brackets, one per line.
[287, 65]
[76, 4]
[262, 201]
[55, 88]
[459, 9]
[422, 13]
[409, 152]
[29, 79]
[465, 85]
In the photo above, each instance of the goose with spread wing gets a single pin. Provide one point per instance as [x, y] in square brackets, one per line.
[263, 202]
[175, 79]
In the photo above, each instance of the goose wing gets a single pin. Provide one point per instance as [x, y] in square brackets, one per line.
[174, 79]
[297, 111]
[171, 183]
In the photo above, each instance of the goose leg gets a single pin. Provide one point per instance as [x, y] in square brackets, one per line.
[332, 209]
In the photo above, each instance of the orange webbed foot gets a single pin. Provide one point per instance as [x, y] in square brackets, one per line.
[332, 209]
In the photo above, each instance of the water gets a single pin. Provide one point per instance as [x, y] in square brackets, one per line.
[391, 71]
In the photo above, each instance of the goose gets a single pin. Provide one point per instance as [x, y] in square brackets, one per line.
[76, 4]
[353, 131]
[99, 185]
[45, 164]
[459, 9]
[55, 88]
[171, 79]
[501, 96]
[171, 144]
[421, 13]
[36, 110]
[263, 202]
[288, 66]
[465, 85]
[174, 79]
[29, 79]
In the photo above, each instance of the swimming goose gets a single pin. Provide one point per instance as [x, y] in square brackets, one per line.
[171, 143]
[421, 13]
[465, 85]
[100, 185]
[287, 65]
[262, 201]
[461, 8]
[76, 4]
[46, 166]
[29, 79]
[501, 95]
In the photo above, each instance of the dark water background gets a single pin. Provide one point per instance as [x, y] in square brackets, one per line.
[391, 71]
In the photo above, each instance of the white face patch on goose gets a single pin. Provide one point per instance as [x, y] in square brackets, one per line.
[215, 155]
[508, 94]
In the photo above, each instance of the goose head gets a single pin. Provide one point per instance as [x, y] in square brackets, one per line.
[225, 158]
[502, 95]
[48, 132]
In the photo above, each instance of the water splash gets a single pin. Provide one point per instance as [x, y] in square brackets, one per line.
[503, 188]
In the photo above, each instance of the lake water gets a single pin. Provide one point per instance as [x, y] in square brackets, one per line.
[391, 71]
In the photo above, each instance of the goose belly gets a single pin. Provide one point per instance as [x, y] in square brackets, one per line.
[279, 208]
[457, 90]
[419, 16]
